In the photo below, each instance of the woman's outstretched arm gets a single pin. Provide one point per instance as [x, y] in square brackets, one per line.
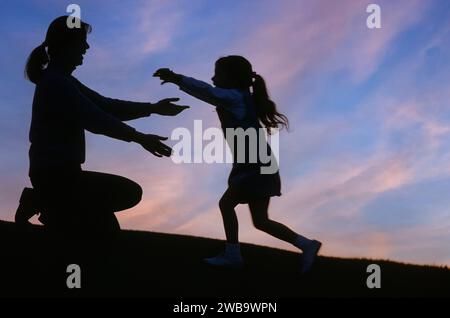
[128, 110]
[92, 118]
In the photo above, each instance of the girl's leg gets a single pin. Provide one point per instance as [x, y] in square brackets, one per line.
[231, 257]
[310, 248]
[227, 204]
[260, 217]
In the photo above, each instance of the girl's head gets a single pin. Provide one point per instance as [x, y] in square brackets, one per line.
[235, 71]
[63, 43]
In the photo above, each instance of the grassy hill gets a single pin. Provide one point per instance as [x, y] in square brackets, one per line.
[150, 264]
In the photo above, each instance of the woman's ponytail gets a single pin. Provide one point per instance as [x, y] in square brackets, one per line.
[36, 63]
[266, 110]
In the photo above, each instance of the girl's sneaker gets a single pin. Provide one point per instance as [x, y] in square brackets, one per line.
[309, 255]
[225, 260]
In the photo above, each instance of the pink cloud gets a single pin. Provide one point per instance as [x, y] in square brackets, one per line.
[303, 38]
[366, 48]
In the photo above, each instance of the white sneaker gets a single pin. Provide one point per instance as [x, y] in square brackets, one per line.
[309, 255]
[225, 260]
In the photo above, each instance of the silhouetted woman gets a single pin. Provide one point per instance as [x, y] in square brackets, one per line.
[68, 198]
[242, 101]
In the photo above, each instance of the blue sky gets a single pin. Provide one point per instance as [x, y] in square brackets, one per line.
[365, 167]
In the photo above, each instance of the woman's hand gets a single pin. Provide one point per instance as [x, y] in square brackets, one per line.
[153, 144]
[166, 107]
[167, 76]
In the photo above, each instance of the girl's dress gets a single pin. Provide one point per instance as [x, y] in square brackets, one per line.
[236, 109]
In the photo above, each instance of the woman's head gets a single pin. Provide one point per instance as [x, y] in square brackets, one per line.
[63, 44]
[235, 71]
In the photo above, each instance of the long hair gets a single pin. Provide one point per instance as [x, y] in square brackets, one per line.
[59, 34]
[241, 75]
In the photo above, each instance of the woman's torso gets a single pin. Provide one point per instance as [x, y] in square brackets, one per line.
[57, 138]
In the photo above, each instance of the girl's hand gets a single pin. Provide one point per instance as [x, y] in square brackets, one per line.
[167, 76]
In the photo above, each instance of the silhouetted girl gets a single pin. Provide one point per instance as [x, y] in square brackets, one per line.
[242, 101]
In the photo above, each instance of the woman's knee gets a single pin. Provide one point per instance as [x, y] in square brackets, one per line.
[125, 194]
[134, 193]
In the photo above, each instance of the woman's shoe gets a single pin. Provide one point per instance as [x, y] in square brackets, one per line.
[27, 207]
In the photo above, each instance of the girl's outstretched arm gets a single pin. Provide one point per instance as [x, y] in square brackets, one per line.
[212, 95]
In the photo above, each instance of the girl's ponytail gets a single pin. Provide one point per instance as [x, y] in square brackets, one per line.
[266, 110]
[36, 63]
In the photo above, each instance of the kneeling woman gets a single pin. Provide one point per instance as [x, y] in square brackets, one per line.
[67, 197]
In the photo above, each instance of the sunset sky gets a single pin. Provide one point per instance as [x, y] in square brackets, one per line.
[365, 167]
